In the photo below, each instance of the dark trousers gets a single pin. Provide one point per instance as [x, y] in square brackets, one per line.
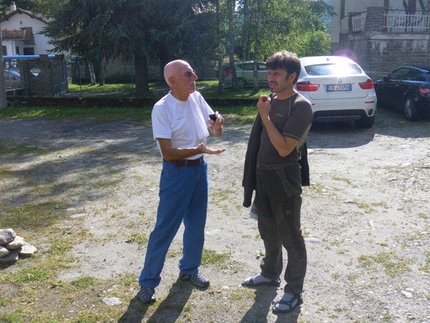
[278, 204]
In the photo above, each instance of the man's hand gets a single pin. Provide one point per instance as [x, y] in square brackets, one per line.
[202, 147]
[263, 105]
[216, 127]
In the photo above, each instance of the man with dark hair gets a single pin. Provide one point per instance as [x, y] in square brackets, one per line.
[272, 169]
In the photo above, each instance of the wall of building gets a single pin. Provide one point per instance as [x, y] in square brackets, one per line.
[379, 52]
[20, 20]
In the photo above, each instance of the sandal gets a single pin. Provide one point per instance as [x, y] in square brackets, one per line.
[249, 282]
[292, 303]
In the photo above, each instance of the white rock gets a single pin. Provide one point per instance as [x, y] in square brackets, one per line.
[27, 250]
[6, 236]
[111, 301]
[3, 252]
[17, 243]
[407, 294]
[78, 215]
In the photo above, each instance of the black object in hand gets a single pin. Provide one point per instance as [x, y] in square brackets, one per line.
[213, 117]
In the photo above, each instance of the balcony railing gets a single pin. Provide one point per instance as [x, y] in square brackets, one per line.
[401, 22]
[395, 21]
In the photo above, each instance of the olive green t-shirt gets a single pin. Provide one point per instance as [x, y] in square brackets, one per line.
[293, 118]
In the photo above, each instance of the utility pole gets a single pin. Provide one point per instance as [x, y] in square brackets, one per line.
[3, 100]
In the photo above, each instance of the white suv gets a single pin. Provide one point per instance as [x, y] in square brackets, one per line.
[339, 90]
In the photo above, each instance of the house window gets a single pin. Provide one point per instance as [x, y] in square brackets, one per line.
[17, 50]
[4, 50]
[29, 51]
[342, 8]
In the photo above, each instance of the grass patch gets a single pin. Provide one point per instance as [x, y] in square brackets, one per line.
[78, 113]
[392, 264]
[426, 266]
[20, 149]
[211, 257]
[83, 282]
[209, 88]
[242, 114]
[138, 238]
[78, 88]
[34, 216]
[239, 114]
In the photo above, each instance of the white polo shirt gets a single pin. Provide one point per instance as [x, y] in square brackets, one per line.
[183, 122]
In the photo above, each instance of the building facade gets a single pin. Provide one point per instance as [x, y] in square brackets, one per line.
[382, 34]
[21, 33]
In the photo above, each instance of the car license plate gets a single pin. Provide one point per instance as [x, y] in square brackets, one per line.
[338, 87]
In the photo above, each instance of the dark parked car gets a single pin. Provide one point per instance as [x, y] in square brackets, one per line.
[407, 89]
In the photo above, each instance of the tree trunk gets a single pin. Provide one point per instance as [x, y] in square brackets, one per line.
[231, 6]
[246, 34]
[93, 79]
[142, 75]
[103, 70]
[257, 48]
[220, 52]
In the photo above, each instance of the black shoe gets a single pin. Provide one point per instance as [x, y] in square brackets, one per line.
[197, 280]
[147, 295]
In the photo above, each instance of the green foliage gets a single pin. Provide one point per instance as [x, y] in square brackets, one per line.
[313, 44]
[45, 7]
[284, 24]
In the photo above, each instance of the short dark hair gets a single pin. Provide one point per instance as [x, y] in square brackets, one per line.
[286, 60]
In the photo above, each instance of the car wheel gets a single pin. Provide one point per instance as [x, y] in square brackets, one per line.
[365, 122]
[241, 83]
[410, 110]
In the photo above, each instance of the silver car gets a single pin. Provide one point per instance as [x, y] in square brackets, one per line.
[245, 73]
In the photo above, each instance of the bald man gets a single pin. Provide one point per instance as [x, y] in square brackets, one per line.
[181, 123]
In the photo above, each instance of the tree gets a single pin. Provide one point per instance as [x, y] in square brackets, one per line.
[78, 28]
[278, 20]
[126, 30]
[44, 7]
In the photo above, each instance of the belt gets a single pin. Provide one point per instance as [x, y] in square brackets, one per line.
[185, 162]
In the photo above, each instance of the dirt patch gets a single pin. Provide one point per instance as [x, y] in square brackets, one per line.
[365, 217]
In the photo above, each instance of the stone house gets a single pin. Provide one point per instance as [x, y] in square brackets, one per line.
[382, 34]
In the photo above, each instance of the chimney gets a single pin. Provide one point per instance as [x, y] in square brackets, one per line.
[12, 8]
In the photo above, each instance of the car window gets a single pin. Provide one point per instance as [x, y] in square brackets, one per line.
[416, 75]
[248, 66]
[262, 66]
[399, 74]
[333, 69]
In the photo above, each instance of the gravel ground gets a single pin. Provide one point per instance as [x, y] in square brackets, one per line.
[365, 218]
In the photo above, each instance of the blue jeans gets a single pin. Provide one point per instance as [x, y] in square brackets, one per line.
[183, 197]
